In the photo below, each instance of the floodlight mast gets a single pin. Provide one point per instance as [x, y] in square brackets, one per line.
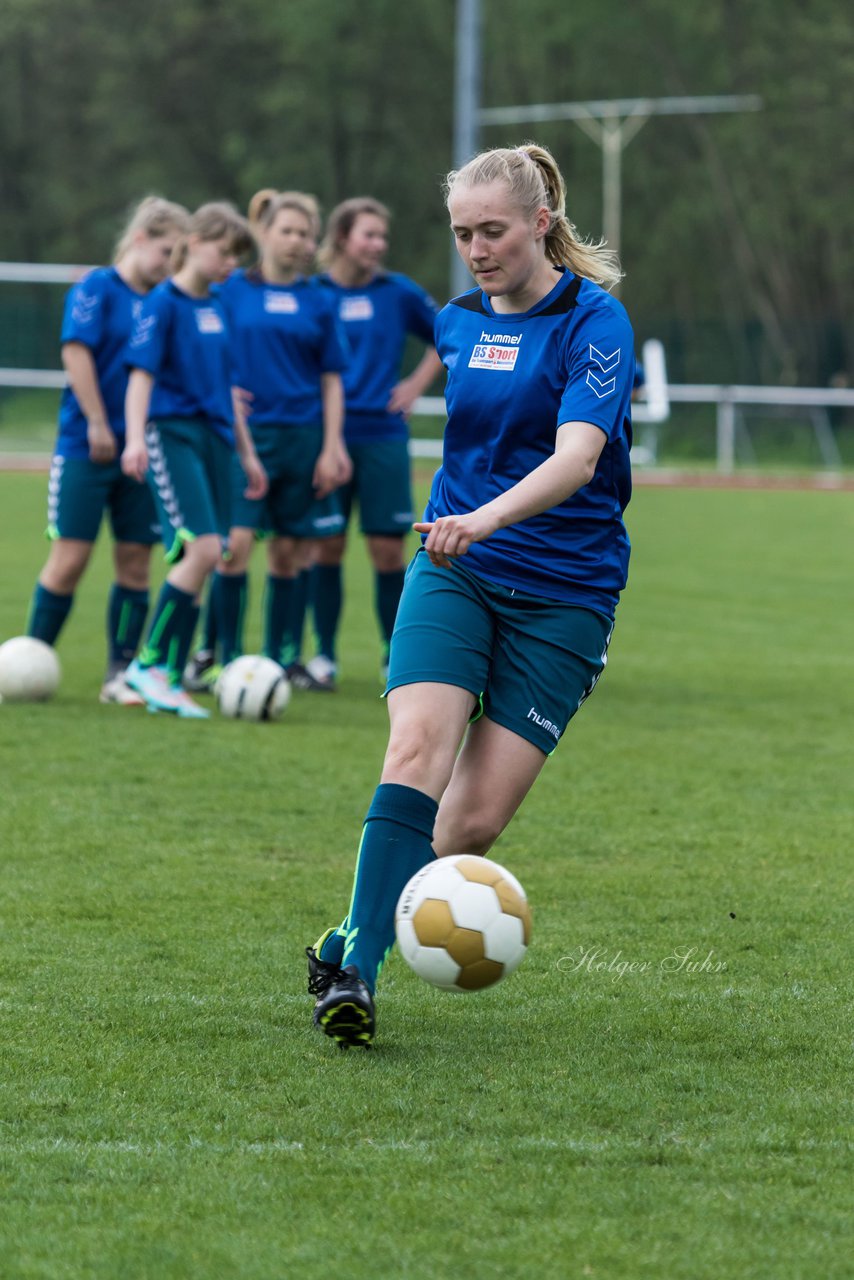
[466, 110]
[612, 125]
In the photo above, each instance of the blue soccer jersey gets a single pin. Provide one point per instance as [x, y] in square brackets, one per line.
[184, 343]
[376, 318]
[512, 381]
[285, 337]
[100, 312]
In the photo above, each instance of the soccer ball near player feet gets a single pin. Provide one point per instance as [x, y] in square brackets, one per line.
[463, 923]
[29, 670]
[253, 688]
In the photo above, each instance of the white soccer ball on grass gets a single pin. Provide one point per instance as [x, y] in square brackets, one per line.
[463, 923]
[253, 688]
[29, 670]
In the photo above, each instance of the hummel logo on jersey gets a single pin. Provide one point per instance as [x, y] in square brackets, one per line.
[496, 351]
[209, 321]
[144, 331]
[605, 363]
[85, 306]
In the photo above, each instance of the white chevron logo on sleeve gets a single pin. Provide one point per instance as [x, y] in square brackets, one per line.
[598, 387]
[605, 363]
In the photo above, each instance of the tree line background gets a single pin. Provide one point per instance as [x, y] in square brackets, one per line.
[737, 238]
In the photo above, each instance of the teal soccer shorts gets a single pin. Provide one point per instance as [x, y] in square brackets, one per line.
[381, 485]
[189, 472]
[80, 491]
[288, 455]
[530, 662]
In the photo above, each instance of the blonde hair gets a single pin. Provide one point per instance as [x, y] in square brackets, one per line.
[156, 217]
[268, 208]
[342, 219]
[535, 181]
[212, 222]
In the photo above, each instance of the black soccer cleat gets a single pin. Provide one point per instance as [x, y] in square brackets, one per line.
[321, 973]
[345, 1010]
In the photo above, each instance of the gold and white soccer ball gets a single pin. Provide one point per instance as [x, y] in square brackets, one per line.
[463, 923]
[29, 670]
[253, 688]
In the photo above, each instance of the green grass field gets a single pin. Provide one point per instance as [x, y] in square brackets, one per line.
[167, 1111]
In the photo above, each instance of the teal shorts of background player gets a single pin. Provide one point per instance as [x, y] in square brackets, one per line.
[530, 662]
[289, 455]
[189, 474]
[381, 486]
[81, 491]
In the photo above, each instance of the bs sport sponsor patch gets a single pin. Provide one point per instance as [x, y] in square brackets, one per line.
[496, 351]
[357, 309]
[209, 321]
[598, 379]
[281, 304]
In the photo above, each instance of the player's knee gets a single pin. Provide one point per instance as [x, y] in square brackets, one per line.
[474, 833]
[205, 553]
[417, 757]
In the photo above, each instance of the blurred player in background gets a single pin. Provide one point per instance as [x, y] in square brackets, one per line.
[183, 423]
[288, 356]
[508, 608]
[86, 478]
[378, 310]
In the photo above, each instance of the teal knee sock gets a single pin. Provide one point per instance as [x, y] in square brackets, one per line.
[396, 842]
[126, 610]
[327, 598]
[229, 601]
[47, 614]
[388, 588]
[278, 641]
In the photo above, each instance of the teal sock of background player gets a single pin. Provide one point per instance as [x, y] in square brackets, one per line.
[163, 641]
[209, 632]
[126, 611]
[387, 592]
[278, 642]
[232, 591]
[185, 640]
[295, 621]
[396, 842]
[327, 599]
[47, 614]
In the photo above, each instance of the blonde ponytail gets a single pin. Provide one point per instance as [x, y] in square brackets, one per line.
[534, 180]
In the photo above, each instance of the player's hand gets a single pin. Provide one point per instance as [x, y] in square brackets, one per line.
[450, 537]
[333, 468]
[402, 398]
[135, 461]
[257, 483]
[241, 400]
[102, 443]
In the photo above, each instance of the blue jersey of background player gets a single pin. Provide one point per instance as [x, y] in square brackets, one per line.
[507, 612]
[288, 353]
[379, 310]
[378, 316]
[181, 420]
[285, 337]
[86, 479]
[183, 341]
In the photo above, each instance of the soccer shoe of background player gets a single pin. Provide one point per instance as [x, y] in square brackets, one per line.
[301, 678]
[116, 690]
[346, 1011]
[185, 706]
[153, 684]
[323, 670]
[201, 672]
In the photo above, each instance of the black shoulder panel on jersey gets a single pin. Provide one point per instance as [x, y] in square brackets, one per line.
[470, 302]
[567, 300]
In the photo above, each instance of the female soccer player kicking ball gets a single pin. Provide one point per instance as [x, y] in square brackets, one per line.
[508, 608]
[181, 432]
[85, 476]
